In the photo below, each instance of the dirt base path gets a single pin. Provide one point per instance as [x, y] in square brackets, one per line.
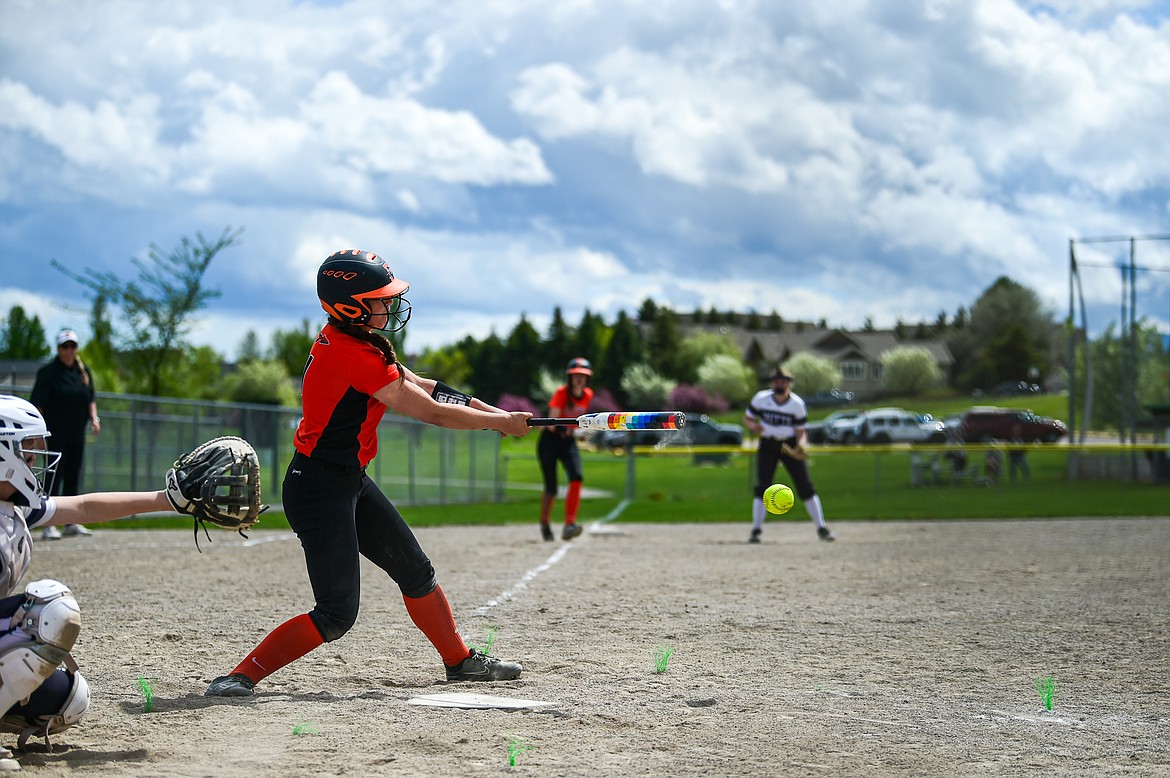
[901, 649]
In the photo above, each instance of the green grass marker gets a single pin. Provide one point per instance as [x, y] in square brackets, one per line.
[305, 728]
[147, 694]
[1046, 687]
[662, 658]
[516, 747]
[489, 641]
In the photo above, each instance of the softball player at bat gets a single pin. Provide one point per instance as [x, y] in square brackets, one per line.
[558, 444]
[778, 416]
[352, 376]
[39, 625]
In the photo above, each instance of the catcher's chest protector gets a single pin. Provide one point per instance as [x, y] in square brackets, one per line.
[15, 547]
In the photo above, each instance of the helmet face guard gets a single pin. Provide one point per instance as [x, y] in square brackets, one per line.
[25, 462]
[397, 311]
[351, 283]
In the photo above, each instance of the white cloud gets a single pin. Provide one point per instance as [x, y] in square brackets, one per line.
[849, 159]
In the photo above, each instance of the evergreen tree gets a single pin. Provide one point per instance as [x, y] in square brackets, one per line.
[662, 344]
[625, 349]
[775, 323]
[648, 312]
[591, 339]
[249, 350]
[487, 362]
[940, 323]
[22, 337]
[291, 348]
[521, 359]
[558, 345]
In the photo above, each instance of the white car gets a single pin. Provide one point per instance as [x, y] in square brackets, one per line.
[888, 425]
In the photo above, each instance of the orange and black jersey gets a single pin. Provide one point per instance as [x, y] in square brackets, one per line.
[339, 421]
[573, 407]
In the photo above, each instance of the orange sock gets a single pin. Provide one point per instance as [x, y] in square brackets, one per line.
[287, 643]
[572, 501]
[432, 614]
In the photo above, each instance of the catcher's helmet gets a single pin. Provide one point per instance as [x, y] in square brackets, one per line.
[24, 462]
[350, 280]
[579, 366]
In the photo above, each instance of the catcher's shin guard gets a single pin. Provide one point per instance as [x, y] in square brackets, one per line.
[49, 711]
[50, 618]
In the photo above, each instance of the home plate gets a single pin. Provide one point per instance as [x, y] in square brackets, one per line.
[482, 701]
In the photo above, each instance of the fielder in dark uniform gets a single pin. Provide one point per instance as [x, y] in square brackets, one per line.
[558, 444]
[352, 376]
[778, 416]
[64, 394]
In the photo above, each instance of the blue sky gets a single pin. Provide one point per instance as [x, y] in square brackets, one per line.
[835, 160]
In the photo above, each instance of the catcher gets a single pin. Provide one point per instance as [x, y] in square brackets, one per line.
[778, 416]
[41, 622]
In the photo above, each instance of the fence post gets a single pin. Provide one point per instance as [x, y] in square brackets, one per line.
[277, 428]
[134, 445]
[631, 471]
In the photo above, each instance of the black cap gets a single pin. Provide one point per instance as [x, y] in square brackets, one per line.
[781, 372]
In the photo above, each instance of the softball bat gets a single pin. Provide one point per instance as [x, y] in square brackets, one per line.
[642, 420]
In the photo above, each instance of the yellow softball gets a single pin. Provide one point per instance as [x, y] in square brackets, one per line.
[778, 498]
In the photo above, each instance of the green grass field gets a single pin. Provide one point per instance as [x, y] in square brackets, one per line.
[854, 485]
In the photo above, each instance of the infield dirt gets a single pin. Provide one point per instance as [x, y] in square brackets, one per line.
[901, 649]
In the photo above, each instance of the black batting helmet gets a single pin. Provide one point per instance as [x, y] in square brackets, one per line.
[350, 280]
[579, 366]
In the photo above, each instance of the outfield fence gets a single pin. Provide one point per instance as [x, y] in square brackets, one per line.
[981, 464]
[933, 472]
[417, 463]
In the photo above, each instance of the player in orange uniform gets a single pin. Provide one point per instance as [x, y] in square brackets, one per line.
[352, 376]
[557, 444]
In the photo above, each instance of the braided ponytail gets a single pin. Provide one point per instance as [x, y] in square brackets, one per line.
[375, 339]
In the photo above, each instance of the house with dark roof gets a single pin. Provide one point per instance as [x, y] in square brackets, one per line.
[857, 353]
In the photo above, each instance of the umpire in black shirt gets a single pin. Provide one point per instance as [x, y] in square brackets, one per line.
[64, 394]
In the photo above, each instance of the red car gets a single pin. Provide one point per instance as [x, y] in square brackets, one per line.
[981, 424]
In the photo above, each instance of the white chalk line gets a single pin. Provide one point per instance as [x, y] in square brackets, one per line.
[556, 556]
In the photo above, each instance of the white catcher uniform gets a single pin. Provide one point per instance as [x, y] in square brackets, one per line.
[39, 624]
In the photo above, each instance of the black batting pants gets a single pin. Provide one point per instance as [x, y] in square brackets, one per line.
[338, 514]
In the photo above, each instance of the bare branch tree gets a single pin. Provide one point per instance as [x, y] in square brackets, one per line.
[160, 304]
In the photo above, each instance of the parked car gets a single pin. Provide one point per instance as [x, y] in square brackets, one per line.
[700, 430]
[984, 423]
[818, 430]
[831, 398]
[888, 425]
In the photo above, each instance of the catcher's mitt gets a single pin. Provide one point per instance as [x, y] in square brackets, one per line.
[799, 453]
[218, 482]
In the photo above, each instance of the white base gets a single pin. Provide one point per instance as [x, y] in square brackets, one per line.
[478, 701]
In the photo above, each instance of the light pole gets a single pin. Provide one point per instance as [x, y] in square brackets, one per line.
[1128, 341]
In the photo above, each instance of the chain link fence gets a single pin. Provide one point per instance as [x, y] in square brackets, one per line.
[417, 463]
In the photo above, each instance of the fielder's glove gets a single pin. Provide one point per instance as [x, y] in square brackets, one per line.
[799, 453]
[218, 482]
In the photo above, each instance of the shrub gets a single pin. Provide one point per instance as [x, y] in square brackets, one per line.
[514, 402]
[685, 397]
[646, 389]
[603, 402]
